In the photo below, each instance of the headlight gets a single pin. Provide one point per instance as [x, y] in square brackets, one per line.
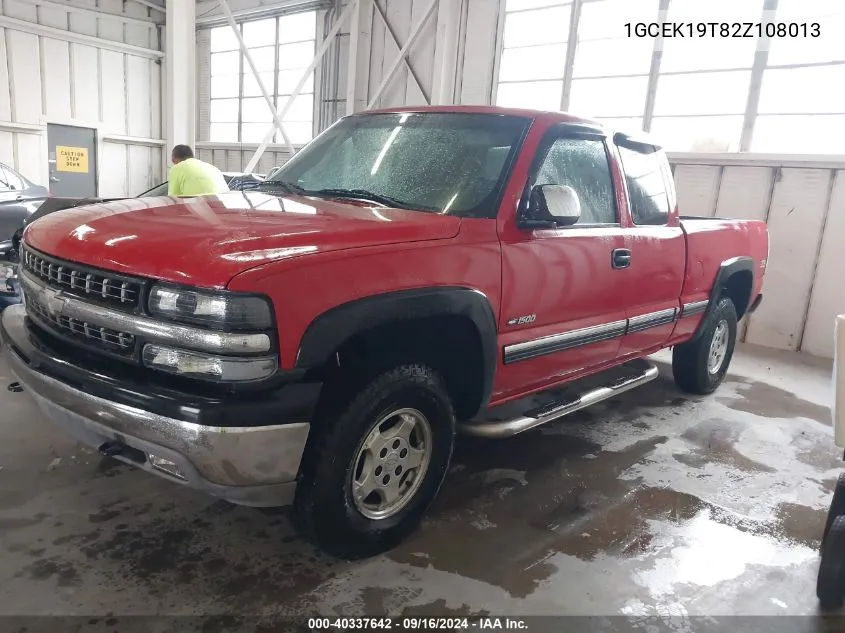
[208, 367]
[223, 311]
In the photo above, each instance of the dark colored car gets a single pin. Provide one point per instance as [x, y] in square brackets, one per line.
[19, 198]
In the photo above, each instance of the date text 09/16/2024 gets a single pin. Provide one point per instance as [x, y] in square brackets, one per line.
[417, 623]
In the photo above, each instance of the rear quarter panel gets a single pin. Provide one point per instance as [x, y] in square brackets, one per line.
[710, 242]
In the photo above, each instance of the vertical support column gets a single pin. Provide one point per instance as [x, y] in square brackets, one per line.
[358, 57]
[180, 90]
[446, 51]
[571, 46]
[654, 71]
[761, 59]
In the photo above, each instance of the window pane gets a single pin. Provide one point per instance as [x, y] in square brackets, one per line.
[530, 28]
[606, 19]
[538, 95]
[613, 57]
[289, 78]
[799, 134]
[264, 59]
[260, 33]
[520, 5]
[253, 132]
[803, 90]
[13, 181]
[224, 133]
[296, 55]
[301, 110]
[298, 27]
[623, 124]
[224, 86]
[223, 39]
[708, 93]
[299, 132]
[251, 88]
[830, 14]
[225, 64]
[533, 62]
[608, 97]
[698, 133]
[646, 186]
[224, 110]
[709, 53]
[255, 110]
[582, 165]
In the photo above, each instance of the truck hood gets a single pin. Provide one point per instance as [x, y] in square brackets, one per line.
[208, 240]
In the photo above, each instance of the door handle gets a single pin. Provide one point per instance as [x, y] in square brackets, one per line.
[620, 258]
[19, 198]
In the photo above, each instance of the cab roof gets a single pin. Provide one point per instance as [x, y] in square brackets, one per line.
[642, 139]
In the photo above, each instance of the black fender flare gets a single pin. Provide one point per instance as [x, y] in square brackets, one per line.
[327, 332]
[726, 269]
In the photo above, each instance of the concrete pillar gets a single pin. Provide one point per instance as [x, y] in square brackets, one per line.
[180, 89]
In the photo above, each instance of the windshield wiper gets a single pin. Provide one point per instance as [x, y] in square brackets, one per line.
[361, 194]
[288, 187]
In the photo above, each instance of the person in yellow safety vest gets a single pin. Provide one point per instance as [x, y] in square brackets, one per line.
[192, 177]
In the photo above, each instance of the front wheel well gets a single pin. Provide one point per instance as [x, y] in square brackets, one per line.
[449, 344]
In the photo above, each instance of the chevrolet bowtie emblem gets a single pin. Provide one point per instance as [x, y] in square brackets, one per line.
[53, 301]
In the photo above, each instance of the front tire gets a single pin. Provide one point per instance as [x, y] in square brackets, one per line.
[375, 462]
[699, 366]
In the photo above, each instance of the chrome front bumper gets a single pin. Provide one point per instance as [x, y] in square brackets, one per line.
[253, 466]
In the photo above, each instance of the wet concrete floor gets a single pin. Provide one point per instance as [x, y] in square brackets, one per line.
[655, 502]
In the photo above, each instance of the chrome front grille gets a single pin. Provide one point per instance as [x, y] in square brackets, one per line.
[89, 283]
[112, 340]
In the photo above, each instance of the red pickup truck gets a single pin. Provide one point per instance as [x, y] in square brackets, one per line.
[408, 275]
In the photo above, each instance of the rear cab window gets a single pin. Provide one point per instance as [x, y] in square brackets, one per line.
[651, 191]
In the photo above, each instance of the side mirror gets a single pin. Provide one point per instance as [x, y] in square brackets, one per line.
[558, 203]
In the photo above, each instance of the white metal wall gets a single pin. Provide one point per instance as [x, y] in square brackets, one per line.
[803, 203]
[94, 63]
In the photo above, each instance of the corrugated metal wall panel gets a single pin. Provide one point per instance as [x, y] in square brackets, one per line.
[22, 52]
[44, 78]
[113, 171]
[797, 212]
[55, 64]
[828, 296]
[698, 188]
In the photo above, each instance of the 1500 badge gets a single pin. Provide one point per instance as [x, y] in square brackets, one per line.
[523, 320]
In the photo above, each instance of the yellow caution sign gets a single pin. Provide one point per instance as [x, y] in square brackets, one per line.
[73, 159]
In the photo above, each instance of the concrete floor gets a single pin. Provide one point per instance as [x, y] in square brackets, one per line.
[653, 503]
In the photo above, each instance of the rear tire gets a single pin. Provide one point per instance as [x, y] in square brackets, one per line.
[837, 506]
[375, 462]
[699, 366]
[830, 584]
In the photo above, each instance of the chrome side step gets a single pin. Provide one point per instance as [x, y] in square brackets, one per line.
[627, 377]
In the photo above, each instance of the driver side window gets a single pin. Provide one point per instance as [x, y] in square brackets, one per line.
[583, 165]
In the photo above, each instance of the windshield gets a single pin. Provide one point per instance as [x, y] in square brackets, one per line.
[438, 162]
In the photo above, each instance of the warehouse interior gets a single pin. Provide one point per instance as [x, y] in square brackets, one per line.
[654, 506]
